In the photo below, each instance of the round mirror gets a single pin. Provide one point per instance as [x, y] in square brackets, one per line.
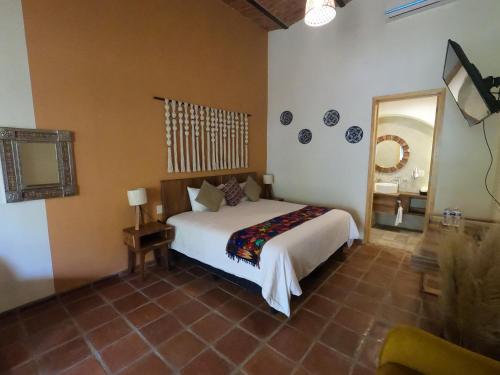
[389, 154]
[392, 153]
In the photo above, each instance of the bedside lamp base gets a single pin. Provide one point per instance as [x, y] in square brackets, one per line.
[138, 217]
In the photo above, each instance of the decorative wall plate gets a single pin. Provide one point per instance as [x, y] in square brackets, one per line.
[354, 134]
[331, 117]
[305, 136]
[286, 118]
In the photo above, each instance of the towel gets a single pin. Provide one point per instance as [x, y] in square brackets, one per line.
[399, 216]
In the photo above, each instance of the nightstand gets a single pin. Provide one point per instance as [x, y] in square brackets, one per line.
[155, 237]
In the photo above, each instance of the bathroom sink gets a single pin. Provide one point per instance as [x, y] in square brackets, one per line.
[386, 187]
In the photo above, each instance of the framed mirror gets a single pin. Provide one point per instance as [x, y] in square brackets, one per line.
[392, 153]
[37, 164]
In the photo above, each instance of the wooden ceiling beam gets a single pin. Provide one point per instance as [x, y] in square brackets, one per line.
[274, 14]
[268, 14]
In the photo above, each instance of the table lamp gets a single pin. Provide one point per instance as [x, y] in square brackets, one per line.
[268, 180]
[137, 197]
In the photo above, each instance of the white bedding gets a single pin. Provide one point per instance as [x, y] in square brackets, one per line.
[285, 259]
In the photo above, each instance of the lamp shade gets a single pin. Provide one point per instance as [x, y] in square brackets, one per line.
[268, 179]
[137, 197]
[319, 12]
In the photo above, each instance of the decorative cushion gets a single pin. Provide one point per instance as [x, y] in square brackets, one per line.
[242, 186]
[232, 192]
[195, 206]
[210, 196]
[223, 203]
[252, 189]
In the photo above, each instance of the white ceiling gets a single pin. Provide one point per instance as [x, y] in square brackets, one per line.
[423, 109]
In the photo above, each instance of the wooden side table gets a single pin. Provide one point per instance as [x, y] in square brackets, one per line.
[153, 236]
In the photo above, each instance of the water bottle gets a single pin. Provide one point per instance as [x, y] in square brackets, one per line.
[446, 216]
[452, 218]
[458, 218]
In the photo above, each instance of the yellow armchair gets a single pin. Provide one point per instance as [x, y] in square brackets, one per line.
[411, 351]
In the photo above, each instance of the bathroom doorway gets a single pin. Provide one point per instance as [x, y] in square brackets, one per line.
[402, 171]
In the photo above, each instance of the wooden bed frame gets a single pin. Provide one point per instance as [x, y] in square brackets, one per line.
[175, 200]
[174, 195]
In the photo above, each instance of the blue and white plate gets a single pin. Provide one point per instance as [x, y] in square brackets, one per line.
[354, 134]
[286, 118]
[305, 136]
[331, 117]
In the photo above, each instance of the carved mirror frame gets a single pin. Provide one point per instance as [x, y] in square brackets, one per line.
[402, 162]
[15, 191]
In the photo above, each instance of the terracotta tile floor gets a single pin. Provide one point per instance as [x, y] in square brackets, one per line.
[185, 321]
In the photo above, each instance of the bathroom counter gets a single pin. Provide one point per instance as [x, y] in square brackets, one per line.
[387, 202]
[404, 193]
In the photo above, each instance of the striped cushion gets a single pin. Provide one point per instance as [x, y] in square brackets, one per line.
[233, 192]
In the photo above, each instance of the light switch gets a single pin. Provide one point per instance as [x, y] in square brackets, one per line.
[159, 209]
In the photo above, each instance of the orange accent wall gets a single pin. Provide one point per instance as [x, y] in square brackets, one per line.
[95, 66]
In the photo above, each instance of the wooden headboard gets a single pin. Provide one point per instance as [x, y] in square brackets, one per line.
[174, 195]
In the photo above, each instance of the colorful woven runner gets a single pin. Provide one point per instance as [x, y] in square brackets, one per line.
[246, 244]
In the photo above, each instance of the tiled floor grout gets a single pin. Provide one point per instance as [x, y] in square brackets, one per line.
[334, 267]
[133, 328]
[93, 350]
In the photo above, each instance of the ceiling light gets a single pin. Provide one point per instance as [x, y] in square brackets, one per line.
[319, 12]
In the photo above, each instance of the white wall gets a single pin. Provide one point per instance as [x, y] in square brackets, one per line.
[343, 66]
[25, 260]
[496, 208]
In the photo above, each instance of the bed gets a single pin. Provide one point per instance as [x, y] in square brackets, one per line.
[285, 259]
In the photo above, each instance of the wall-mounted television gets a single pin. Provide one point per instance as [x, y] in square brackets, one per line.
[471, 91]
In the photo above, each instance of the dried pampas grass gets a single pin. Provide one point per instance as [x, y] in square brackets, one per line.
[470, 300]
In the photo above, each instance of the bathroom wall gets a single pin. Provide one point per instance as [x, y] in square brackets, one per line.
[25, 262]
[418, 135]
[413, 120]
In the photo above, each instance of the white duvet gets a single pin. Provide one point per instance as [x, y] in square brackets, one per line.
[285, 259]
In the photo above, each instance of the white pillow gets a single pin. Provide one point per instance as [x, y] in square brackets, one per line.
[242, 186]
[193, 193]
[223, 203]
[198, 207]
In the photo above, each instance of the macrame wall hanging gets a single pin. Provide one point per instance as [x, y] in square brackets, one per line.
[201, 138]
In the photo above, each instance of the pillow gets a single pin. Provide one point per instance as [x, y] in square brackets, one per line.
[242, 186]
[252, 189]
[224, 200]
[210, 196]
[232, 192]
[195, 206]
